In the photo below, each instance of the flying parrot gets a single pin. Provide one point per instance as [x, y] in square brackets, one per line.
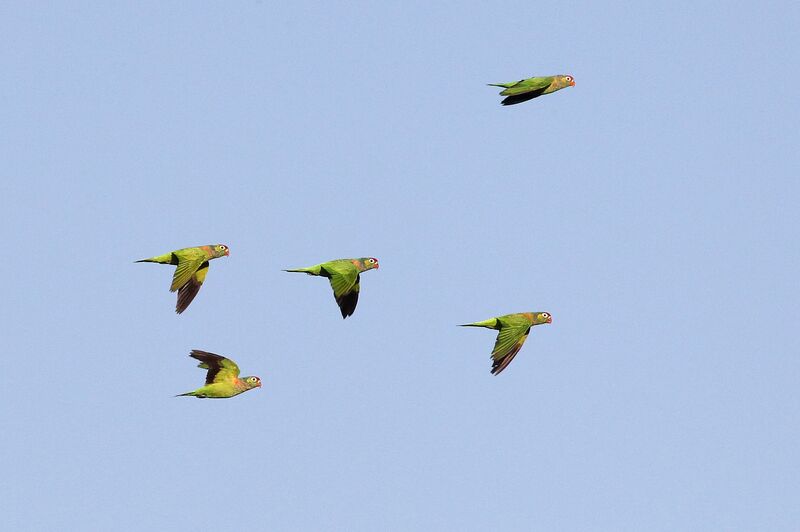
[514, 329]
[222, 379]
[527, 89]
[345, 278]
[191, 271]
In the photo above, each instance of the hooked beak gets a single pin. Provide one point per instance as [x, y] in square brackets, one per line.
[227, 252]
[572, 83]
[550, 319]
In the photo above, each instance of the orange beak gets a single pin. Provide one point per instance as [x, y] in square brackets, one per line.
[550, 319]
[572, 83]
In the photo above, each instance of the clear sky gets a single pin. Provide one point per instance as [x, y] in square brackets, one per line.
[652, 209]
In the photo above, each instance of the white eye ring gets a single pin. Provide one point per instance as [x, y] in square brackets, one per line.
[372, 261]
[545, 314]
[569, 78]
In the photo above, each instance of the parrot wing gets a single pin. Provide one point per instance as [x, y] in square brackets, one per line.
[189, 261]
[525, 86]
[345, 281]
[220, 369]
[187, 292]
[509, 342]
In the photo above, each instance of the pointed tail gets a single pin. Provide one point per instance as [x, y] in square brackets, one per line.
[313, 270]
[504, 85]
[491, 323]
[166, 258]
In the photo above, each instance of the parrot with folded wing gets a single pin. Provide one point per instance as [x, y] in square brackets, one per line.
[527, 89]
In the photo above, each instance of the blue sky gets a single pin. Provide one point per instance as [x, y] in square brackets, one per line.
[652, 209]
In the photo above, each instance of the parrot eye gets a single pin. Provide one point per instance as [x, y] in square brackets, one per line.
[569, 78]
[545, 315]
[372, 261]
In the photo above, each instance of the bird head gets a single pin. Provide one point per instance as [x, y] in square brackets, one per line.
[253, 382]
[540, 318]
[568, 80]
[369, 263]
[221, 250]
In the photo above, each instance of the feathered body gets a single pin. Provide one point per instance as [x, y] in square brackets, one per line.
[222, 379]
[527, 89]
[192, 267]
[345, 278]
[514, 329]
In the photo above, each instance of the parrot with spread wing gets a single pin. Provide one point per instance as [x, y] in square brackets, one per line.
[527, 89]
[514, 329]
[222, 379]
[192, 267]
[345, 278]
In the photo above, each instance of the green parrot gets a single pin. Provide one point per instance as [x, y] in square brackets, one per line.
[527, 89]
[345, 277]
[222, 379]
[514, 329]
[191, 271]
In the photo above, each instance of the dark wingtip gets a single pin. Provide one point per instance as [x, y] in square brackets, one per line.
[204, 356]
[499, 365]
[186, 295]
[519, 98]
[347, 304]
[345, 312]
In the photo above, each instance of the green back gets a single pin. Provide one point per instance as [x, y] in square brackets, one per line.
[528, 85]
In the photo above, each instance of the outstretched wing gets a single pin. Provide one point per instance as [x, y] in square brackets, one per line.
[508, 344]
[187, 292]
[189, 261]
[220, 369]
[348, 300]
[345, 281]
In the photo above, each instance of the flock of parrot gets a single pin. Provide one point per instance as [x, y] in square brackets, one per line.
[222, 377]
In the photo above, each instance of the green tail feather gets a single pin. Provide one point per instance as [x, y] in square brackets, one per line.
[491, 323]
[166, 258]
[313, 270]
